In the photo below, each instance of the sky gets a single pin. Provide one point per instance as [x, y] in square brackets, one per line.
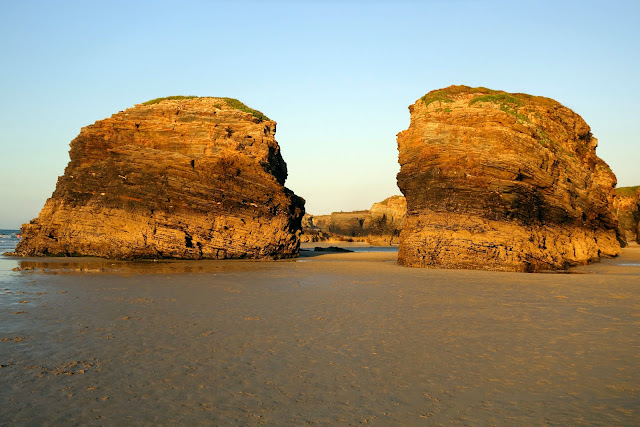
[337, 76]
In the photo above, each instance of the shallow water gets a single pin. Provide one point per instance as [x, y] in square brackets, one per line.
[8, 240]
[337, 339]
[352, 246]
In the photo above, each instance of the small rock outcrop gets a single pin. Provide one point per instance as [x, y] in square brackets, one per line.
[380, 225]
[502, 181]
[627, 208]
[334, 249]
[177, 177]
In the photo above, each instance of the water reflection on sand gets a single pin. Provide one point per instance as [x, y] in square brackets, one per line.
[99, 265]
[68, 265]
[345, 338]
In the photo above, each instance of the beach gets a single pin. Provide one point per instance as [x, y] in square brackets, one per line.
[330, 338]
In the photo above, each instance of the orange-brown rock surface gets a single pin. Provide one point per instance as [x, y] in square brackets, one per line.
[627, 207]
[179, 177]
[385, 220]
[380, 225]
[502, 181]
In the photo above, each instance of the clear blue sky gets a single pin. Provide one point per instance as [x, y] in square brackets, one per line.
[337, 76]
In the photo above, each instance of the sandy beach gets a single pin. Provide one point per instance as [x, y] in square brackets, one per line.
[345, 338]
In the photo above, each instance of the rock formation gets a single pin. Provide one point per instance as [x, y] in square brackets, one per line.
[627, 208]
[178, 177]
[502, 181]
[347, 224]
[385, 220]
[380, 225]
[312, 233]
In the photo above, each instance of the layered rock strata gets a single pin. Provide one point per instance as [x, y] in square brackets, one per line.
[502, 181]
[385, 220]
[179, 177]
[380, 225]
[627, 208]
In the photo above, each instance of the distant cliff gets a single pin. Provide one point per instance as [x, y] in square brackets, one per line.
[627, 207]
[379, 225]
[177, 177]
[502, 181]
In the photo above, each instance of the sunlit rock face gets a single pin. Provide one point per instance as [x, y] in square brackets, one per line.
[502, 181]
[627, 207]
[182, 177]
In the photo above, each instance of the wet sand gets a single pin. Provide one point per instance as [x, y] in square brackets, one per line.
[327, 339]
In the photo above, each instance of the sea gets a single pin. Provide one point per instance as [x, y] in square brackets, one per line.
[8, 240]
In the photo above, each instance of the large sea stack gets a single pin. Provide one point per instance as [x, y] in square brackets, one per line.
[178, 177]
[502, 181]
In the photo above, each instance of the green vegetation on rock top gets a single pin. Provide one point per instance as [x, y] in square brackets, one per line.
[168, 98]
[485, 95]
[232, 102]
[489, 95]
[436, 95]
[497, 98]
[445, 95]
[508, 103]
[627, 191]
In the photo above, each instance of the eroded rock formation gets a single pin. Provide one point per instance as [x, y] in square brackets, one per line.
[502, 181]
[627, 208]
[380, 225]
[385, 220]
[179, 177]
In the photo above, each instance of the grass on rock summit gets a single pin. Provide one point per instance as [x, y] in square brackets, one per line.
[231, 102]
[627, 191]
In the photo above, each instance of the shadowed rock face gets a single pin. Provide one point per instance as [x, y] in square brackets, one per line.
[627, 208]
[501, 181]
[175, 178]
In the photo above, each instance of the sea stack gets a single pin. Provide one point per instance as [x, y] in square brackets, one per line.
[177, 177]
[502, 181]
